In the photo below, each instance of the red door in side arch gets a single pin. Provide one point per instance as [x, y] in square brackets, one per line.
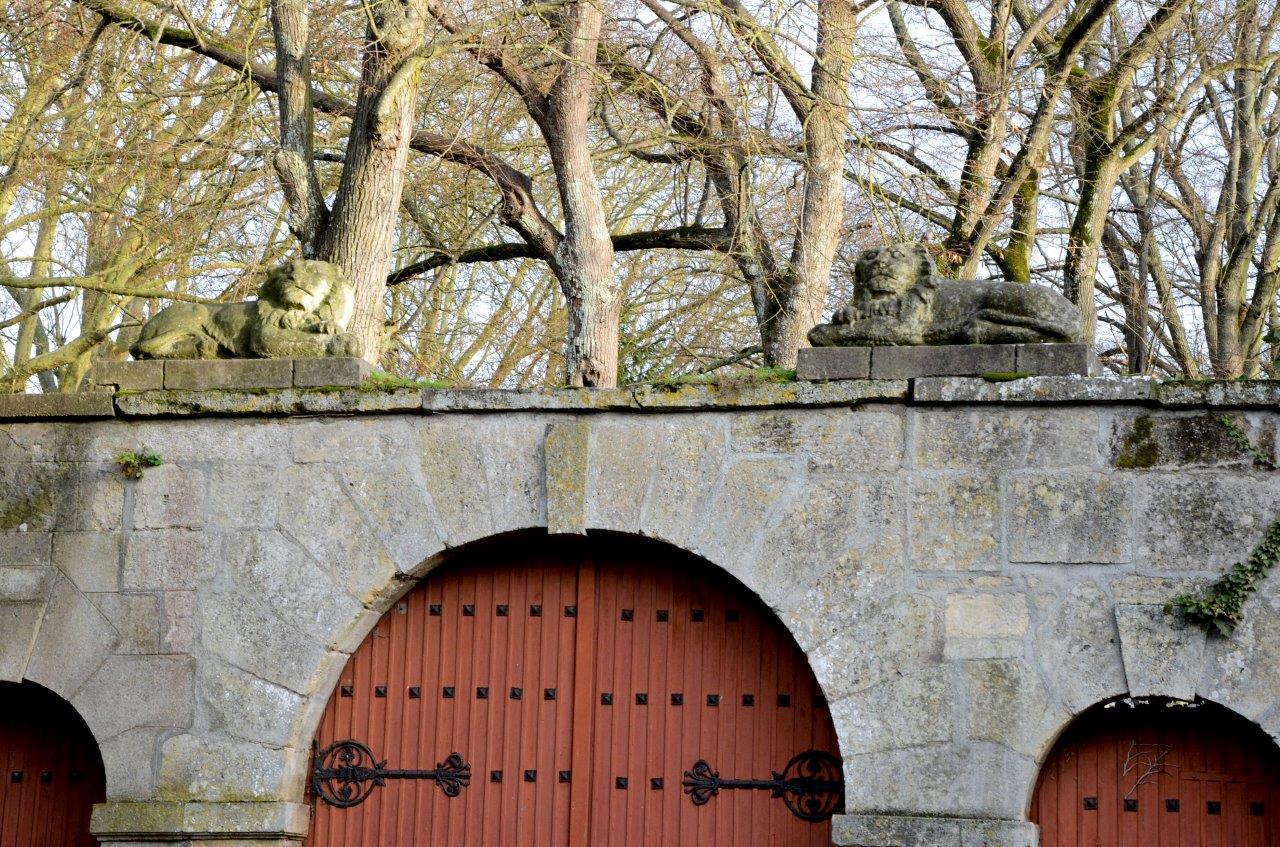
[1160, 774]
[51, 770]
[595, 693]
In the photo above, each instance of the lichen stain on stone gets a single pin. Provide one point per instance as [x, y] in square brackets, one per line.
[22, 506]
[1139, 449]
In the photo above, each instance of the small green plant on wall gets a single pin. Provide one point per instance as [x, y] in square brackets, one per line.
[134, 465]
[1219, 606]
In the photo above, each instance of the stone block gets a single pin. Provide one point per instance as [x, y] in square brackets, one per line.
[903, 711]
[91, 560]
[170, 496]
[346, 371]
[906, 629]
[130, 376]
[567, 451]
[955, 522]
[127, 759]
[242, 705]
[1065, 517]
[733, 521]
[1007, 705]
[985, 626]
[25, 549]
[1241, 672]
[1034, 389]
[18, 625]
[385, 492]
[169, 559]
[214, 767]
[908, 831]
[995, 439]
[317, 513]
[976, 779]
[1163, 655]
[73, 642]
[515, 471]
[1079, 649]
[942, 360]
[817, 363]
[623, 460]
[837, 441]
[1202, 521]
[1228, 393]
[676, 500]
[23, 584]
[1172, 441]
[205, 374]
[86, 404]
[1057, 359]
[245, 631]
[136, 617]
[128, 692]
[894, 831]
[452, 465]
[236, 824]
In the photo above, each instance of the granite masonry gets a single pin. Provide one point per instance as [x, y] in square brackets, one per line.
[967, 564]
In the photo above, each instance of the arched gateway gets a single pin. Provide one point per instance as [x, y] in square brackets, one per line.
[52, 771]
[1160, 773]
[576, 692]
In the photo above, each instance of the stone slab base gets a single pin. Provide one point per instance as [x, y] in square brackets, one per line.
[817, 363]
[199, 374]
[261, 824]
[908, 831]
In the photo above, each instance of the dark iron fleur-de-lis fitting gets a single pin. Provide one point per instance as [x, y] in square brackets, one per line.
[811, 785]
[346, 772]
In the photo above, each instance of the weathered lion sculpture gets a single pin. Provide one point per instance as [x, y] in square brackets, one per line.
[302, 311]
[898, 300]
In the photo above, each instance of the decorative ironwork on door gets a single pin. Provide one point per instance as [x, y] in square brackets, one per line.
[811, 785]
[346, 773]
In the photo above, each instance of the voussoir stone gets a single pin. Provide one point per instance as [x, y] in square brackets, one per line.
[1163, 655]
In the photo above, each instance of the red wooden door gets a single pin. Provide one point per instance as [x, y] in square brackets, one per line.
[580, 685]
[52, 773]
[1160, 775]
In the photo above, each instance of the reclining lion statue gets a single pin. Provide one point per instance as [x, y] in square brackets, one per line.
[898, 300]
[302, 311]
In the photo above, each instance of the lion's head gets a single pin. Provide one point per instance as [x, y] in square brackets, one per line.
[891, 271]
[305, 292]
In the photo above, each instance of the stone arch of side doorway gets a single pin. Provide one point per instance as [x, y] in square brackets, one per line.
[612, 552]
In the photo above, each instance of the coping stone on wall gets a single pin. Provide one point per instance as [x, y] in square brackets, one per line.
[87, 404]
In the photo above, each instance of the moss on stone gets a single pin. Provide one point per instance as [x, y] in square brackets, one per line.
[1005, 376]
[1139, 449]
[25, 508]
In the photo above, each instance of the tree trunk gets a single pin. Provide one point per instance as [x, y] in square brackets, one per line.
[584, 258]
[359, 233]
[822, 208]
[1085, 238]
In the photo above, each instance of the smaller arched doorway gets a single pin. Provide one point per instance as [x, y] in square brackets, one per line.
[1160, 773]
[52, 771]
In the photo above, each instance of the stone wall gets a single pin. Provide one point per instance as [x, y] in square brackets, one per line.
[966, 564]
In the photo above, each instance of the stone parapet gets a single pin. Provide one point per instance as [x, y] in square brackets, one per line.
[356, 398]
[818, 363]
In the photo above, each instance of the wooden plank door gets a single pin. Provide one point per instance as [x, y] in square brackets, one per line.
[51, 770]
[580, 685]
[1160, 775]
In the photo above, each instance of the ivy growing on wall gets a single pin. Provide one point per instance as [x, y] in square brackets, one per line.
[1218, 607]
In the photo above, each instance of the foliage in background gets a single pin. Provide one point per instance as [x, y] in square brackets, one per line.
[1126, 152]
